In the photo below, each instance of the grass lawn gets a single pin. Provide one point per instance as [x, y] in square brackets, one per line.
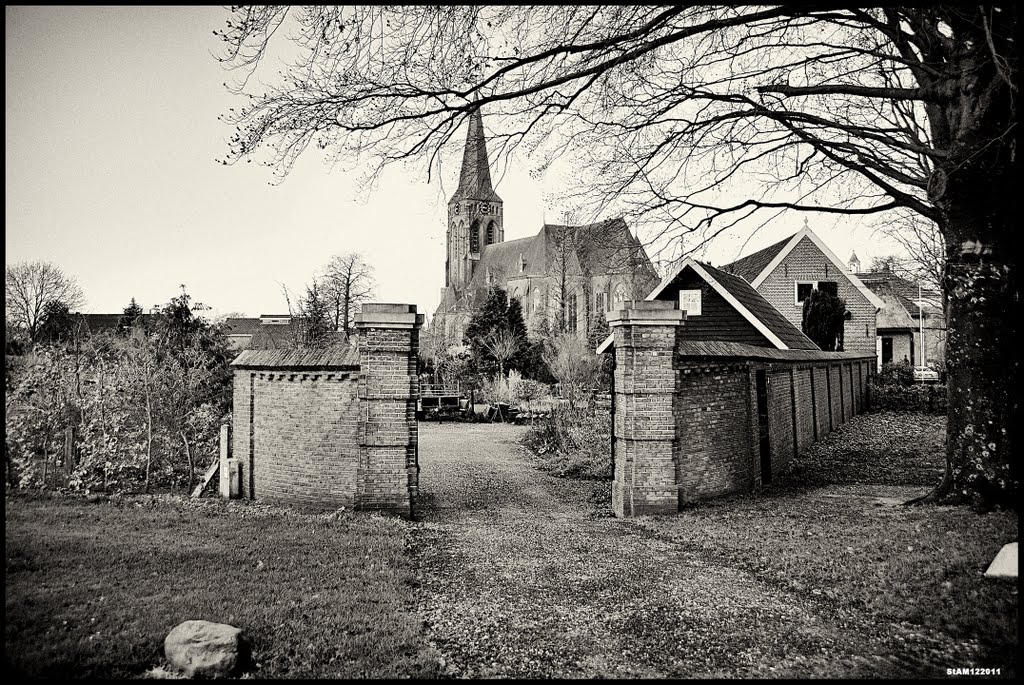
[825, 534]
[92, 589]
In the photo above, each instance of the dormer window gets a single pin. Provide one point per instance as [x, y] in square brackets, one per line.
[522, 263]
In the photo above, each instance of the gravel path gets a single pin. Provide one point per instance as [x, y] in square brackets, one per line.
[525, 575]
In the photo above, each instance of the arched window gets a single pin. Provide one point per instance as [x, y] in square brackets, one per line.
[538, 300]
[490, 234]
[474, 237]
[620, 295]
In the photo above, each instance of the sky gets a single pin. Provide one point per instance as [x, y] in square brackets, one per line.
[112, 133]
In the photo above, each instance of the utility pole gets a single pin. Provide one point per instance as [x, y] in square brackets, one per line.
[920, 320]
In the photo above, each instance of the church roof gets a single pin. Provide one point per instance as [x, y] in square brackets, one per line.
[475, 176]
[604, 247]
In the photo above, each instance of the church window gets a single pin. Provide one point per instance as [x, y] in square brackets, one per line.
[571, 314]
[620, 294]
[474, 237]
[490, 234]
[601, 302]
[537, 300]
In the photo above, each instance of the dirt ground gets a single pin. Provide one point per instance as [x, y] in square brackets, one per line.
[526, 575]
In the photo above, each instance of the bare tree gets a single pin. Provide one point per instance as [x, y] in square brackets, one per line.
[924, 244]
[30, 286]
[503, 346]
[347, 283]
[700, 119]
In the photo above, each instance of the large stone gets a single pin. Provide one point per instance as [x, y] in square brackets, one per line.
[1005, 563]
[206, 650]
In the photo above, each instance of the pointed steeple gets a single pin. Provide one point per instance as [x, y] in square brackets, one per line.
[475, 177]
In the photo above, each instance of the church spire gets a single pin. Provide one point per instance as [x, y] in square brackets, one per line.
[475, 177]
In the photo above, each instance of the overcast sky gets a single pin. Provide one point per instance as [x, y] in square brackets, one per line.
[111, 140]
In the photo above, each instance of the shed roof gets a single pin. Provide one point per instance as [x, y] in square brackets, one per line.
[337, 357]
[720, 348]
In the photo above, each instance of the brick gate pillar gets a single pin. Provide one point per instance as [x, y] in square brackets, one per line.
[644, 424]
[388, 472]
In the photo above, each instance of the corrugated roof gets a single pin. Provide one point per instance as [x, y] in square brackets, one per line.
[751, 266]
[719, 348]
[337, 357]
[778, 324]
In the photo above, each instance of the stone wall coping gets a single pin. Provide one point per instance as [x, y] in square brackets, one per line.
[649, 316]
[388, 319]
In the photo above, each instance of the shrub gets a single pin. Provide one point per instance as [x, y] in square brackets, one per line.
[924, 397]
[895, 374]
[574, 442]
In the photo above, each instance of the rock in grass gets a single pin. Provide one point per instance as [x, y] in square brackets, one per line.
[1005, 563]
[205, 649]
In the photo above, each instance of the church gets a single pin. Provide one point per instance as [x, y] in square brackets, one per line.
[565, 277]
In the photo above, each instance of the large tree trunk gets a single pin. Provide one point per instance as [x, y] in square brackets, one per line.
[981, 285]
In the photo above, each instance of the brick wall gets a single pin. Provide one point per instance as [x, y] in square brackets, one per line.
[780, 417]
[717, 450]
[687, 428]
[305, 433]
[325, 429]
[804, 407]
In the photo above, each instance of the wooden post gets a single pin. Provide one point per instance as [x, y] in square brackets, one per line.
[225, 454]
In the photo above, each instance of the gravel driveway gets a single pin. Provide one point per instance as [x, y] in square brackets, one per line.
[526, 575]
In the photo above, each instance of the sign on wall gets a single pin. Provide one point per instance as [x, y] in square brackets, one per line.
[690, 301]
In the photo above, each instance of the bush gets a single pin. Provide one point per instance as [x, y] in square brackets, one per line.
[924, 397]
[895, 374]
[574, 442]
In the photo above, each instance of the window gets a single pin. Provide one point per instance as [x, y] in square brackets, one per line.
[601, 302]
[804, 288]
[571, 313]
[537, 300]
[620, 295]
[474, 237]
[830, 287]
[490, 234]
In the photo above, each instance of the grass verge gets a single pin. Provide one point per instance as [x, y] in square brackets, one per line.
[92, 589]
[823, 532]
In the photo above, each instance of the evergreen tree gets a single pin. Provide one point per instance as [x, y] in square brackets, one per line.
[131, 315]
[497, 317]
[317, 320]
[56, 324]
[823, 318]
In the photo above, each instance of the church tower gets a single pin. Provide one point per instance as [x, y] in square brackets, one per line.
[474, 211]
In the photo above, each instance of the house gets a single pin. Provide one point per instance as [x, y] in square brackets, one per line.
[268, 332]
[723, 308]
[715, 391]
[564, 276]
[786, 272]
[910, 311]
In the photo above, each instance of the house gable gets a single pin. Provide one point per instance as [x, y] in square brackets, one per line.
[805, 261]
[735, 311]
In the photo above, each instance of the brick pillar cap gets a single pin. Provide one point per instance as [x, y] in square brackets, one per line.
[384, 315]
[648, 312]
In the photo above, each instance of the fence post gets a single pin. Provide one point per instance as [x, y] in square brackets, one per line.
[225, 454]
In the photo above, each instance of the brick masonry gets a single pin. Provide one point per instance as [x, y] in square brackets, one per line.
[320, 436]
[687, 428]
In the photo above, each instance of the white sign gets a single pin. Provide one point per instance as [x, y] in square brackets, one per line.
[690, 301]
